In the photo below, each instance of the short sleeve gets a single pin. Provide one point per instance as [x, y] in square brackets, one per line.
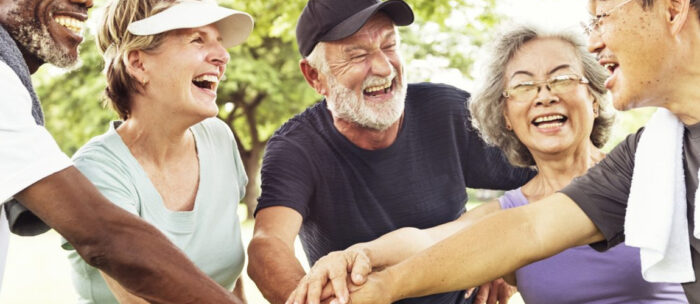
[109, 177]
[240, 169]
[286, 178]
[603, 191]
[28, 153]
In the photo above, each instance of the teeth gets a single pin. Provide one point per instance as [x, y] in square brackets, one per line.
[550, 125]
[74, 25]
[548, 118]
[209, 78]
[610, 66]
[378, 88]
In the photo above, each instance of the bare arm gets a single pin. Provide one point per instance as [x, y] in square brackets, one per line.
[122, 296]
[362, 258]
[118, 243]
[499, 244]
[272, 264]
[238, 290]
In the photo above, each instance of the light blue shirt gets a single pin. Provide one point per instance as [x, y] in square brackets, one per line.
[210, 234]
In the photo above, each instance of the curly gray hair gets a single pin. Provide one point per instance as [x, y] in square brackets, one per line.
[487, 102]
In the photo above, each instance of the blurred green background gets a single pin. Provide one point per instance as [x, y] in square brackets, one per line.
[263, 88]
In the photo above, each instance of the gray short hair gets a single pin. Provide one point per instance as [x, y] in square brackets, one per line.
[486, 105]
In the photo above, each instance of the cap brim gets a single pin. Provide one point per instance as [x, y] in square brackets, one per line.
[234, 26]
[397, 10]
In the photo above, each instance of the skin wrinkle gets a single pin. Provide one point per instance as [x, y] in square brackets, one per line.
[33, 35]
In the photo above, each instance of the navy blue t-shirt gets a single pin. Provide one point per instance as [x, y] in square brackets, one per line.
[348, 195]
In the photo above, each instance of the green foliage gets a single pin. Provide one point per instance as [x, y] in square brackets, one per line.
[72, 101]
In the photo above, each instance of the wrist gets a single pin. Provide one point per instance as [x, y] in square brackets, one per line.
[393, 282]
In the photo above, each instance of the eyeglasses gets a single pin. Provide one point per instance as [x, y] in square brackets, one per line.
[528, 90]
[594, 24]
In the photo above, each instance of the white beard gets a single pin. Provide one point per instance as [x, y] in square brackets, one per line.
[349, 106]
[35, 38]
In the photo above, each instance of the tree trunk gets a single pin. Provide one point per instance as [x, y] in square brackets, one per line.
[251, 161]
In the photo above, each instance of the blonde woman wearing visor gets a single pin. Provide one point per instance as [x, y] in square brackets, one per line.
[168, 161]
[543, 103]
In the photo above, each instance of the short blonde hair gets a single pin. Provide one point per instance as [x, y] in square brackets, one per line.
[116, 42]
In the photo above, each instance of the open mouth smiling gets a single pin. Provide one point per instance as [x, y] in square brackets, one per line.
[375, 90]
[207, 82]
[549, 121]
[74, 22]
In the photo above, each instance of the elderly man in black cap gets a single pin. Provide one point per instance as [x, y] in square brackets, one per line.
[36, 173]
[376, 155]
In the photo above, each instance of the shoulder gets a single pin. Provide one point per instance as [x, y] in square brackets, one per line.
[11, 85]
[100, 153]
[304, 129]
[214, 127]
[436, 92]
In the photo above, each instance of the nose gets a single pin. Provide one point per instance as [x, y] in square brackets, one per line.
[380, 64]
[86, 3]
[545, 97]
[595, 44]
[218, 55]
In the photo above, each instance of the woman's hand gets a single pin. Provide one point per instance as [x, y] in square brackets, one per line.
[330, 277]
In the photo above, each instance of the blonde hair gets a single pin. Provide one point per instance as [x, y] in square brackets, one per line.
[115, 43]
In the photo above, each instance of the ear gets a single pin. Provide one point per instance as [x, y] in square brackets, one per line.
[596, 109]
[135, 66]
[509, 126]
[676, 14]
[312, 76]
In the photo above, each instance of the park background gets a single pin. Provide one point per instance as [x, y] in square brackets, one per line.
[264, 88]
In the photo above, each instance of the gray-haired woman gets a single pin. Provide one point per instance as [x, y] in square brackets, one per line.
[543, 103]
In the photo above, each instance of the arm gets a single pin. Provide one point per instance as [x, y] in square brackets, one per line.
[500, 243]
[120, 244]
[360, 259]
[122, 296]
[272, 264]
[238, 290]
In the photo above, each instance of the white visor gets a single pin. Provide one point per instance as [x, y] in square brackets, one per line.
[233, 25]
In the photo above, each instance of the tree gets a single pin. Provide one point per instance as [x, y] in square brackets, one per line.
[263, 86]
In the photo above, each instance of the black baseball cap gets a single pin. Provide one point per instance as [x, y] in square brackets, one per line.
[331, 20]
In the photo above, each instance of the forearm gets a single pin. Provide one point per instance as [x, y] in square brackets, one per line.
[238, 290]
[274, 268]
[491, 248]
[395, 246]
[123, 246]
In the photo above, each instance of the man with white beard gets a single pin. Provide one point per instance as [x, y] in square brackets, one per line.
[374, 156]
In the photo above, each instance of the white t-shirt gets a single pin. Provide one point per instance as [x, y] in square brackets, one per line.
[28, 153]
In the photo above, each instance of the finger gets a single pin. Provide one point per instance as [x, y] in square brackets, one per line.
[313, 295]
[482, 294]
[508, 292]
[290, 298]
[338, 281]
[327, 292]
[299, 294]
[493, 294]
[468, 293]
[360, 269]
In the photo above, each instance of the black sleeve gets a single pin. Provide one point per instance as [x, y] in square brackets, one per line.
[603, 191]
[486, 166]
[286, 178]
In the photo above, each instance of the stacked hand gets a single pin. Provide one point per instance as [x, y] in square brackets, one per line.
[333, 275]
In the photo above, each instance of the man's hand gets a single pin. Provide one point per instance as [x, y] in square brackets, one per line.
[329, 277]
[375, 290]
[496, 291]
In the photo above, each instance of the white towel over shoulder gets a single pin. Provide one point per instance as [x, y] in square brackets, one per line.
[656, 219]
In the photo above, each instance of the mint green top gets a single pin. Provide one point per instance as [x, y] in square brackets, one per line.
[210, 234]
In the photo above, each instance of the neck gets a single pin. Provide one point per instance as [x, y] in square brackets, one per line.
[158, 139]
[684, 96]
[366, 138]
[33, 62]
[555, 171]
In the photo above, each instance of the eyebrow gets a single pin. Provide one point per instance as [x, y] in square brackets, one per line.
[559, 67]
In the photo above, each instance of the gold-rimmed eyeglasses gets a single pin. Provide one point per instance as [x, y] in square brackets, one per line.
[528, 90]
[594, 24]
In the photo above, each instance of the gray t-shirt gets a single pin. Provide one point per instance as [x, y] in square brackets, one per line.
[602, 194]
